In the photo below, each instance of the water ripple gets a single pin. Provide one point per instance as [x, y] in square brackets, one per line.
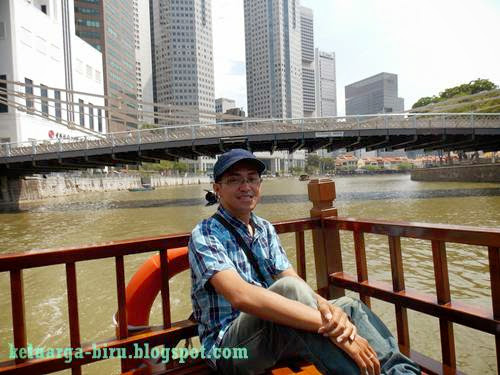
[266, 199]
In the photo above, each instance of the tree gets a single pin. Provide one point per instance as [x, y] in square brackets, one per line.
[404, 166]
[422, 102]
[473, 87]
[313, 160]
[312, 163]
[165, 165]
[328, 165]
[296, 171]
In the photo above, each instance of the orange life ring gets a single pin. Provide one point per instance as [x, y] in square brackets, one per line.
[146, 284]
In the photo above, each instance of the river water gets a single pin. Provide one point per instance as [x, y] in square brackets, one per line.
[100, 217]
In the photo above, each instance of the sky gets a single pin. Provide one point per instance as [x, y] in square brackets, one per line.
[430, 44]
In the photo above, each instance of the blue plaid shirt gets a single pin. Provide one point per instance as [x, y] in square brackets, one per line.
[213, 248]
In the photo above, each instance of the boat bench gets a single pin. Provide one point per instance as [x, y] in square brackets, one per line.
[200, 367]
[188, 329]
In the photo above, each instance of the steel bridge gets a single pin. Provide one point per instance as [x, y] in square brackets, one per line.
[408, 131]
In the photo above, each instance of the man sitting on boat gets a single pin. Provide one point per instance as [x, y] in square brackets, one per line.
[246, 294]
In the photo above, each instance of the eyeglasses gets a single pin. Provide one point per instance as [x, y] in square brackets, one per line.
[237, 181]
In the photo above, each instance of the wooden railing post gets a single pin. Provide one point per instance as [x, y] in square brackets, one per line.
[300, 253]
[74, 323]
[494, 260]
[398, 285]
[326, 242]
[18, 314]
[443, 298]
[361, 265]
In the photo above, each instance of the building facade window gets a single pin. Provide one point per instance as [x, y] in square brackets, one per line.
[44, 93]
[88, 23]
[81, 109]
[28, 89]
[3, 94]
[99, 120]
[91, 116]
[57, 104]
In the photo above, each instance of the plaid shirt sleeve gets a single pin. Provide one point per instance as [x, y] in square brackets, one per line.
[207, 255]
[277, 254]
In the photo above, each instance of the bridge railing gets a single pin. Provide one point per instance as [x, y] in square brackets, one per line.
[335, 125]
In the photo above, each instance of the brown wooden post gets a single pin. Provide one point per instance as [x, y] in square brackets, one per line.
[165, 289]
[122, 307]
[443, 297]
[300, 253]
[327, 251]
[361, 266]
[74, 323]
[18, 314]
[398, 285]
[494, 258]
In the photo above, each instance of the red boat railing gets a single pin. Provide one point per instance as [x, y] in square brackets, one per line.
[330, 278]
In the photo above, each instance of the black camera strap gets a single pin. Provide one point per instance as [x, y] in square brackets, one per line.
[244, 246]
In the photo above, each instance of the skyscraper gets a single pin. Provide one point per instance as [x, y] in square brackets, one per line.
[307, 42]
[109, 27]
[375, 94]
[143, 65]
[273, 58]
[326, 84]
[183, 60]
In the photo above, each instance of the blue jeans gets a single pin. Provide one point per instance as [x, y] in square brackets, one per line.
[267, 342]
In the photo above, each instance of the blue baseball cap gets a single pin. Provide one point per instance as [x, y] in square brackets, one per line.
[230, 158]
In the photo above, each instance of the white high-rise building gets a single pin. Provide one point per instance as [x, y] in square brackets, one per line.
[183, 60]
[307, 41]
[273, 58]
[223, 104]
[40, 49]
[326, 84]
[143, 64]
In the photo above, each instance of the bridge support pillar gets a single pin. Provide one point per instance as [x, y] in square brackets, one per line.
[9, 192]
[4, 190]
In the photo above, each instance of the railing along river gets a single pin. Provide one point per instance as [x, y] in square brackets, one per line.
[323, 126]
[331, 281]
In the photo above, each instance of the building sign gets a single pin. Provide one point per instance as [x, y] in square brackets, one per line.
[328, 134]
[61, 136]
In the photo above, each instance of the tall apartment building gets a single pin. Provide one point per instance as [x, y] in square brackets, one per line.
[273, 58]
[143, 64]
[109, 27]
[40, 49]
[375, 94]
[183, 60]
[307, 42]
[326, 83]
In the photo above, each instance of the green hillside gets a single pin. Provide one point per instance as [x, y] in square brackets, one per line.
[483, 102]
[480, 95]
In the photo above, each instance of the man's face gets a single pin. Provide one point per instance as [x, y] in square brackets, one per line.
[239, 188]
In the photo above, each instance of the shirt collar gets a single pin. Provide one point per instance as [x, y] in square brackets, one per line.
[237, 223]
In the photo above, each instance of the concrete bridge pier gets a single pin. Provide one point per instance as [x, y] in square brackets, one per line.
[8, 197]
[4, 190]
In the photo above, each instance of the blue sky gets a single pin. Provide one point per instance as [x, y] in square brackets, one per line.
[430, 44]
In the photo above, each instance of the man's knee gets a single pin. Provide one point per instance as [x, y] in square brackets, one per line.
[294, 288]
[345, 301]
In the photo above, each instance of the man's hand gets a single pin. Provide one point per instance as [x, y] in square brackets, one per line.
[336, 323]
[362, 354]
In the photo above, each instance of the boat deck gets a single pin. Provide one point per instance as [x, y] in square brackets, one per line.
[331, 281]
